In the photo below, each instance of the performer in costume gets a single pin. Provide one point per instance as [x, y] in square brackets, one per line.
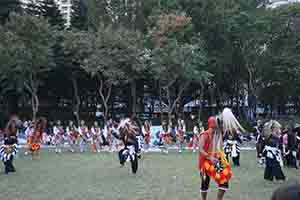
[272, 153]
[165, 138]
[291, 150]
[84, 136]
[35, 137]
[180, 135]
[212, 160]
[96, 138]
[127, 133]
[59, 132]
[8, 150]
[147, 135]
[232, 143]
[73, 136]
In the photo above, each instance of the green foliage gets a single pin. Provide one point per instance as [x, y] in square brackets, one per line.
[47, 9]
[25, 52]
[7, 7]
[79, 18]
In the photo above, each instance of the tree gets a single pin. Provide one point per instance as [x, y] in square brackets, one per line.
[114, 53]
[26, 54]
[47, 9]
[77, 47]
[79, 18]
[7, 7]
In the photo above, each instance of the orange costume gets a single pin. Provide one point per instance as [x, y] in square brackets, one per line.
[35, 140]
[220, 170]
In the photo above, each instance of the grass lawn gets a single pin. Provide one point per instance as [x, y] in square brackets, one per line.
[99, 176]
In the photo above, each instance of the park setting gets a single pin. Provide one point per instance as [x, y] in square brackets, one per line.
[149, 99]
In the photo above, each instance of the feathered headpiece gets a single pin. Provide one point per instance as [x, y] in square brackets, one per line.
[127, 124]
[230, 123]
[270, 128]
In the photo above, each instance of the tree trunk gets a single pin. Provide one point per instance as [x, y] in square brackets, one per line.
[201, 100]
[133, 96]
[76, 106]
[105, 97]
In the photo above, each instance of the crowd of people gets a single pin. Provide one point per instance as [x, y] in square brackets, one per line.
[217, 146]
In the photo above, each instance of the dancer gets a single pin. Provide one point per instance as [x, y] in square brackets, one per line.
[212, 160]
[147, 135]
[73, 136]
[84, 136]
[127, 133]
[35, 137]
[291, 150]
[165, 138]
[8, 150]
[272, 153]
[96, 138]
[59, 132]
[180, 135]
[232, 143]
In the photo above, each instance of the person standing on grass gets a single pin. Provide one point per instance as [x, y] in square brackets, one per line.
[212, 161]
[36, 136]
[272, 153]
[146, 130]
[8, 150]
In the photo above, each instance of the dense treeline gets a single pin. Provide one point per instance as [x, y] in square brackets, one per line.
[138, 54]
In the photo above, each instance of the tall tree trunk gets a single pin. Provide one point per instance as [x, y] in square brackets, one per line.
[105, 96]
[76, 106]
[201, 100]
[133, 96]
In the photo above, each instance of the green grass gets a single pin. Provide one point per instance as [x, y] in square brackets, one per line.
[160, 177]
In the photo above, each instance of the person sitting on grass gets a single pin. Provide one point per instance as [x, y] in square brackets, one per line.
[291, 192]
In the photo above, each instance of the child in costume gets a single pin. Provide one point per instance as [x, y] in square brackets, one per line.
[59, 133]
[73, 136]
[96, 138]
[84, 136]
[232, 143]
[8, 150]
[147, 135]
[180, 135]
[212, 160]
[272, 153]
[35, 137]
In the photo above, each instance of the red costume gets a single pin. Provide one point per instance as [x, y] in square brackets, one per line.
[220, 171]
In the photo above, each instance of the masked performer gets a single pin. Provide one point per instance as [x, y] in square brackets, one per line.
[272, 153]
[212, 160]
[96, 138]
[180, 135]
[59, 133]
[36, 136]
[127, 133]
[147, 135]
[8, 150]
[84, 136]
[73, 136]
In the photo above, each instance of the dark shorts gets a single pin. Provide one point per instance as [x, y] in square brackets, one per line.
[205, 181]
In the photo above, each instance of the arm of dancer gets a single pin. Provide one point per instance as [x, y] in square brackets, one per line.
[202, 142]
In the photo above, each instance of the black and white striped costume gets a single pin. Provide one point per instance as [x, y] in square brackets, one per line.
[4, 156]
[232, 148]
[273, 157]
[8, 152]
